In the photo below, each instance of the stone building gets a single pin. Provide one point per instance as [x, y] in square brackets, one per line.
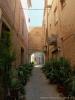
[59, 28]
[12, 19]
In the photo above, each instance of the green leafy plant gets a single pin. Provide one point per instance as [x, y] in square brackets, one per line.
[64, 70]
[6, 59]
[19, 78]
[70, 85]
[57, 70]
[24, 72]
[13, 79]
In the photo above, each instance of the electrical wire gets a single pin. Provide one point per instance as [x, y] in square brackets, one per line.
[32, 9]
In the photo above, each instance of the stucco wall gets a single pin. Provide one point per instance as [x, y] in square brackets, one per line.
[13, 16]
[64, 27]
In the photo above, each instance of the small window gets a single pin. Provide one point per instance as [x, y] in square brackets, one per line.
[62, 3]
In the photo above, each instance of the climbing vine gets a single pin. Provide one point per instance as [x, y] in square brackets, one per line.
[6, 59]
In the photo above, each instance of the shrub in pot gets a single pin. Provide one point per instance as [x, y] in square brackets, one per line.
[24, 72]
[58, 71]
[21, 75]
[70, 85]
[14, 88]
[64, 71]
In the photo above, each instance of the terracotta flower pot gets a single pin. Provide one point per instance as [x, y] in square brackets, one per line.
[60, 88]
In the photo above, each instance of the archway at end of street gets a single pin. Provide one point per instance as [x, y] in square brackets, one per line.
[38, 58]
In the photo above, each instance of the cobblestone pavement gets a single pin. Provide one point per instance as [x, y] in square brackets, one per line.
[39, 89]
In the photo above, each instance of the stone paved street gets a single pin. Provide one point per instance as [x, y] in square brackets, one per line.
[39, 89]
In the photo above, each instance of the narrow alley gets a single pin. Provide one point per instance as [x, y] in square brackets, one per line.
[37, 49]
[38, 87]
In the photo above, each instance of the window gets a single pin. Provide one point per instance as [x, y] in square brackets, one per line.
[62, 3]
[4, 29]
[22, 56]
[55, 16]
[23, 27]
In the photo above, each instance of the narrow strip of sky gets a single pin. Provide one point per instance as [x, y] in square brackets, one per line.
[24, 5]
[36, 16]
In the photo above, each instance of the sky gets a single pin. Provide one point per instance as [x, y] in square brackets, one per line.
[35, 16]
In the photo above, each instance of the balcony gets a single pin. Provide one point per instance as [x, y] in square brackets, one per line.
[53, 50]
[52, 40]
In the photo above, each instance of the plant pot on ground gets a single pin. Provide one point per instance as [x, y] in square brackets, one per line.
[61, 89]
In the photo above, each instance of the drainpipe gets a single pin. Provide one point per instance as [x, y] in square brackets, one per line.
[48, 6]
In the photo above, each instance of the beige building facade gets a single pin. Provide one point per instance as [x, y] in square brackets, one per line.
[59, 28]
[12, 19]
